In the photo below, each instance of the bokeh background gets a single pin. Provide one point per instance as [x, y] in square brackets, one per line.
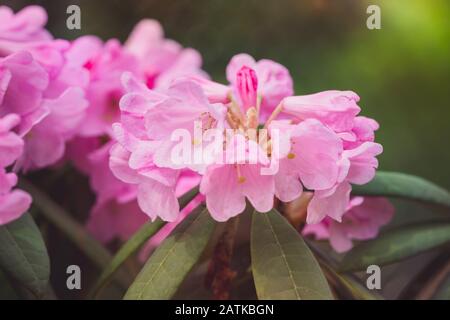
[401, 72]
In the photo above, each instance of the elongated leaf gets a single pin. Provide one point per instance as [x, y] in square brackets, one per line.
[397, 244]
[283, 266]
[23, 254]
[171, 262]
[135, 242]
[395, 184]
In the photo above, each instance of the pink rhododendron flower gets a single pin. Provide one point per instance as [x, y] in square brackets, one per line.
[261, 84]
[357, 162]
[187, 181]
[162, 60]
[38, 86]
[274, 81]
[361, 221]
[116, 213]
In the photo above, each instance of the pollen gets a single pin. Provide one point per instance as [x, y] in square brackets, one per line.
[241, 179]
[291, 155]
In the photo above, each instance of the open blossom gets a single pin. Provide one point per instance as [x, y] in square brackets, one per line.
[361, 221]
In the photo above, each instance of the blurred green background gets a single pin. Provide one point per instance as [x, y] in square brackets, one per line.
[401, 72]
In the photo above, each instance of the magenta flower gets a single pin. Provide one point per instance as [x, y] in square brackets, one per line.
[361, 221]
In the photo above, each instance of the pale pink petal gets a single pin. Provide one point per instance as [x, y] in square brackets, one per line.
[13, 205]
[315, 153]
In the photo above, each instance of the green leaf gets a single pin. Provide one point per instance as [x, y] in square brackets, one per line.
[23, 255]
[174, 258]
[282, 264]
[396, 244]
[135, 242]
[395, 184]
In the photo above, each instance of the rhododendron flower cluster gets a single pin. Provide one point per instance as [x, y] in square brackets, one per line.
[322, 144]
[146, 124]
